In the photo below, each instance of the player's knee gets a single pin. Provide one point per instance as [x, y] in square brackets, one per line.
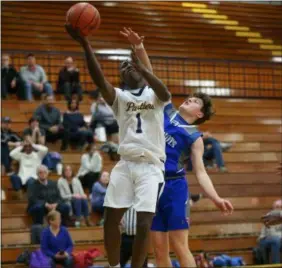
[144, 223]
[161, 251]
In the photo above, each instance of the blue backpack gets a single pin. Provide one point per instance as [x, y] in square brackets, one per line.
[39, 260]
[225, 260]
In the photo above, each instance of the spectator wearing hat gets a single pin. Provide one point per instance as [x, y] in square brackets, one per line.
[10, 82]
[30, 157]
[33, 133]
[69, 81]
[35, 79]
[9, 139]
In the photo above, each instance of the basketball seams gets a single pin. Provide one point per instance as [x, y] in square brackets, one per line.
[94, 17]
[80, 15]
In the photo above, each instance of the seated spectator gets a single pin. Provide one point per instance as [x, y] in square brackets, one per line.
[44, 196]
[10, 79]
[35, 79]
[69, 82]
[91, 167]
[9, 139]
[99, 191]
[76, 130]
[103, 115]
[49, 118]
[30, 157]
[33, 133]
[270, 238]
[56, 242]
[72, 193]
[212, 151]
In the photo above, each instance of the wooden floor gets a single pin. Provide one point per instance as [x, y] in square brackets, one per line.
[254, 129]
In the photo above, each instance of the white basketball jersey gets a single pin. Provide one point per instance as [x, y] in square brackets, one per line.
[141, 125]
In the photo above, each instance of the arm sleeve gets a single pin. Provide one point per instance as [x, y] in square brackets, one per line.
[85, 163]
[98, 161]
[99, 189]
[16, 153]
[32, 196]
[57, 195]
[41, 150]
[43, 75]
[69, 242]
[62, 191]
[24, 74]
[44, 244]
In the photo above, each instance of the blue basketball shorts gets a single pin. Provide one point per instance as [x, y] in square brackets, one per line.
[173, 209]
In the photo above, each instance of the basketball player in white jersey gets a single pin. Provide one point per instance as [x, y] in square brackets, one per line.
[137, 179]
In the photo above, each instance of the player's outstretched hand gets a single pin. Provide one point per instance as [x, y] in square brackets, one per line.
[132, 37]
[75, 34]
[138, 65]
[225, 206]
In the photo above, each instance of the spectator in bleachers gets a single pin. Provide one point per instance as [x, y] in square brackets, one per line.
[44, 196]
[103, 115]
[73, 194]
[56, 242]
[9, 139]
[98, 192]
[30, 157]
[90, 168]
[35, 79]
[9, 78]
[33, 133]
[49, 118]
[75, 128]
[270, 239]
[213, 151]
[69, 81]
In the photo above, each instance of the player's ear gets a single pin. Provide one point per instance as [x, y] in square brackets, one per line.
[200, 114]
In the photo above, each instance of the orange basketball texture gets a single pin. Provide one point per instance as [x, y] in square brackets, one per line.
[85, 17]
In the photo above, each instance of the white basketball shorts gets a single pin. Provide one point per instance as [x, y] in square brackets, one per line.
[137, 184]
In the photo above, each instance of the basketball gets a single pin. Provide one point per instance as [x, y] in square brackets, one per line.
[85, 17]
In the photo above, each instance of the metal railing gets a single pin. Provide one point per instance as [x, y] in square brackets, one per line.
[183, 76]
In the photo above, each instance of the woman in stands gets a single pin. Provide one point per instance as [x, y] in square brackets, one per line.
[76, 129]
[56, 242]
[72, 193]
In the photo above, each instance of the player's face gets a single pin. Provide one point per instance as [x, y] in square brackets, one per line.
[130, 75]
[192, 107]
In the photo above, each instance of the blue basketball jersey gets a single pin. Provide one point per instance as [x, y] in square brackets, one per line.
[179, 137]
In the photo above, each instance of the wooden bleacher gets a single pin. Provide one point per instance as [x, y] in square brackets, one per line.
[254, 128]
[30, 30]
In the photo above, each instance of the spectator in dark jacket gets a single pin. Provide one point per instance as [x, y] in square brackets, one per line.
[49, 118]
[9, 139]
[69, 82]
[56, 242]
[75, 127]
[33, 133]
[10, 82]
[44, 196]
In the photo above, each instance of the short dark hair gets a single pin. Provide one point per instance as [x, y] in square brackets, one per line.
[32, 119]
[30, 55]
[207, 108]
[70, 102]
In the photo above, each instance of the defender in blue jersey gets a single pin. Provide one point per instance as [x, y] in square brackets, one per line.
[183, 141]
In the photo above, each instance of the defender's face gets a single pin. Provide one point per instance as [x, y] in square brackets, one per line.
[129, 74]
[192, 107]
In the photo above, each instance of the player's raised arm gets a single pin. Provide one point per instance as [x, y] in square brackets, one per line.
[204, 180]
[137, 43]
[155, 83]
[97, 75]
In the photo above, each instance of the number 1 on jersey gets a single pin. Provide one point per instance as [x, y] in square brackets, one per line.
[139, 129]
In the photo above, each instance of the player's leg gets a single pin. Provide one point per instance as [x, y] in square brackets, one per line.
[119, 197]
[180, 246]
[159, 231]
[148, 184]
[161, 248]
[142, 239]
[112, 237]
